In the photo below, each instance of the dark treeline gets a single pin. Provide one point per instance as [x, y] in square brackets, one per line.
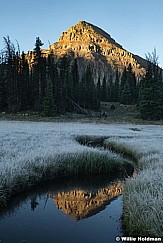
[45, 85]
[52, 87]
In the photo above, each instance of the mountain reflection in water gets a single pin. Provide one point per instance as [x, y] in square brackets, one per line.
[76, 206]
[79, 197]
[80, 203]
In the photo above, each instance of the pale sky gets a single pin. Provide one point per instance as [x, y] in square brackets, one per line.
[136, 25]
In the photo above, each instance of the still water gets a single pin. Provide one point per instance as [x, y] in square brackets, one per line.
[69, 210]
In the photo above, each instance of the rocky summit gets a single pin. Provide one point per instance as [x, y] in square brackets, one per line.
[91, 45]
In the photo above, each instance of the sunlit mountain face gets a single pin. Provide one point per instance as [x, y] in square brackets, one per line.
[91, 45]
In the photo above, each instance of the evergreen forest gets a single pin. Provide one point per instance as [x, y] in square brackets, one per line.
[52, 87]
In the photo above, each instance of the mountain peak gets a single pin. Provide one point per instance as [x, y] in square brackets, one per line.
[84, 31]
[91, 44]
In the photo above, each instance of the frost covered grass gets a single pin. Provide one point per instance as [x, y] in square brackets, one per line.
[31, 152]
[143, 193]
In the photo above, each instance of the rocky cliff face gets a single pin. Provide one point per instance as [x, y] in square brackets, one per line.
[91, 45]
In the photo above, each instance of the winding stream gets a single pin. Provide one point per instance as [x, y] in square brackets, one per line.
[68, 210]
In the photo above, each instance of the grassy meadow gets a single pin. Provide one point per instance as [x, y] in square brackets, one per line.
[32, 152]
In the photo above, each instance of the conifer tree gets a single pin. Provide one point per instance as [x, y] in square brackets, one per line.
[74, 85]
[110, 89]
[24, 84]
[98, 90]
[63, 84]
[91, 98]
[116, 86]
[37, 75]
[11, 76]
[2, 87]
[104, 96]
[83, 92]
[52, 73]
[151, 90]
[126, 97]
[123, 81]
[131, 79]
[88, 98]
[128, 76]
[48, 104]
